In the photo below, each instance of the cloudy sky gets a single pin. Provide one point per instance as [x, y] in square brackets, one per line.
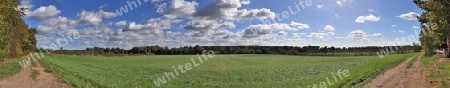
[77, 24]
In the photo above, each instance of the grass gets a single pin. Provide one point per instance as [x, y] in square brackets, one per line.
[242, 71]
[443, 73]
[428, 60]
[9, 68]
[34, 74]
[411, 62]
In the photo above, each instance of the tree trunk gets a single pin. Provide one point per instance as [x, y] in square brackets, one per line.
[448, 45]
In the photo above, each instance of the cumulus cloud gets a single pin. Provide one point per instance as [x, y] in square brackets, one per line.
[177, 7]
[318, 35]
[299, 25]
[358, 35]
[95, 17]
[282, 33]
[409, 16]
[153, 26]
[254, 31]
[370, 17]
[204, 26]
[44, 12]
[56, 24]
[329, 28]
[221, 10]
[260, 14]
[245, 2]
[96, 32]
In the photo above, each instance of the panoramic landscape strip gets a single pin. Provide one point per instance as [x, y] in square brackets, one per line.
[224, 44]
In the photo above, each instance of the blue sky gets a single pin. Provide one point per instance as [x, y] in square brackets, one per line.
[175, 23]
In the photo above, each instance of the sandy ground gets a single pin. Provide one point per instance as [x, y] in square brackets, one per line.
[402, 77]
[24, 80]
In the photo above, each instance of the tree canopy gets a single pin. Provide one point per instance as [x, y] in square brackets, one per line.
[16, 38]
[434, 22]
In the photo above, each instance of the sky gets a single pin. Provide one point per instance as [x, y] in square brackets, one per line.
[78, 24]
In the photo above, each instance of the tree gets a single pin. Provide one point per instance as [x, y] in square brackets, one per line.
[434, 22]
[198, 49]
[10, 19]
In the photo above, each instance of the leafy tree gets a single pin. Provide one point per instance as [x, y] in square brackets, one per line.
[10, 18]
[434, 22]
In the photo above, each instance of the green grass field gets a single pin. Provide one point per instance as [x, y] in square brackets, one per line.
[222, 71]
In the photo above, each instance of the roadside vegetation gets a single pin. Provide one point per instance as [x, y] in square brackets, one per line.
[9, 68]
[411, 62]
[441, 73]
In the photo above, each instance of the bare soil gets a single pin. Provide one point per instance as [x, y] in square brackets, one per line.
[23, 79]
[402, 77]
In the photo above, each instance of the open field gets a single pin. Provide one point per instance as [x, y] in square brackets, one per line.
[220, 71]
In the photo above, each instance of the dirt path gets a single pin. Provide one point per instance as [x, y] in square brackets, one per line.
[23, 79]
[402, 77]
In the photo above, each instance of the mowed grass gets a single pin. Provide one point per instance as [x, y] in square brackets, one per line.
[222, 71]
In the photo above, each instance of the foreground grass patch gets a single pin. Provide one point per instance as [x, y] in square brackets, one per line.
[239, 71]
[9, 68]
[411, 62]
[443, 70]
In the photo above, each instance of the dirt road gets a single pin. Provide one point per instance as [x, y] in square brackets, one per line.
[23, 79]
[402, 77]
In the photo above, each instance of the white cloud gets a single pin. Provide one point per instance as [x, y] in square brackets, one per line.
[95, 32]
[177, 8]
[329, 28]
[260, 14]
[299, 25]
[282, 33]
[370, 17]
[329, 32]
[358, 35]
[153, 26]
[320, 6]
[121, 23]
[318, 35]
[56, 24]
[245, 2]
[109, 15]
[409, 16]
[340, 3]
[44, 12]
[95, 17]
[207, 26]
[254, 31]
[377, 35]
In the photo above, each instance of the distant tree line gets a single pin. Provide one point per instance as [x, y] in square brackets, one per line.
[284, 50]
